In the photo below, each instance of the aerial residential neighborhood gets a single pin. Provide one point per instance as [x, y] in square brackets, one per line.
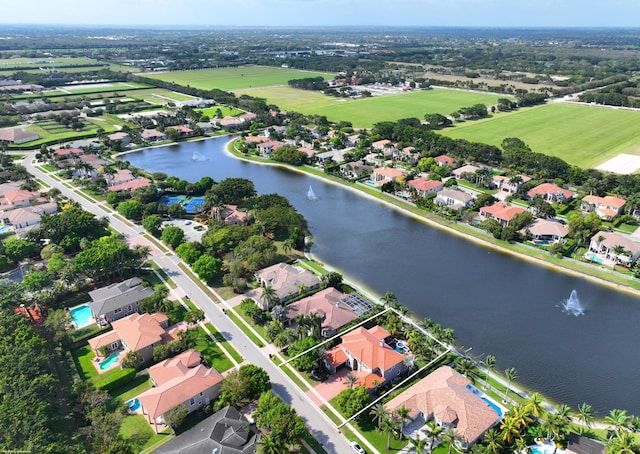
[261, 239]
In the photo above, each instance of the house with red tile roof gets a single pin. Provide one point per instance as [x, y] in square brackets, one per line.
[136, 332]
[183, 131]
[444, 160]
[17, 198]
[62, 153]
[178, 381]
[607, 207]
[366, 352]
[232, 216]
[140, 182]
[252, 140]
[328, 304]
[551, 193]
[231, 122]
[426, 187]
[381, 145]
[120, 137]
[447, 397]
[382, 175]
[265, 148]
[501, 212]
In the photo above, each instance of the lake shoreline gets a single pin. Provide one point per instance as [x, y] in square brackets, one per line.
[441, 225]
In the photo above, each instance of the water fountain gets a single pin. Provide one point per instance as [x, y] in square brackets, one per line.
[311, 195]
[572, 305]
[198, 157]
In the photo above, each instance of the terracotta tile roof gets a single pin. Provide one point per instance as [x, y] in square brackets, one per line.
[380, 143]
[426, 185]
[336, 356]
[606, 201]
[325, 303]
[546, 227]
[368, 347]
[369, 380]
[501, 210]
[444, 159]
[286, 279]
[140, 182]
[68, 151]
[545, 189]
[465, 169]
[138, 331]
[20, 195]
[256, 139]
[444, 394]
[104, 340]
[182, 129]
[157, 401]
[174, 367]
[612, 239]
[388, 172]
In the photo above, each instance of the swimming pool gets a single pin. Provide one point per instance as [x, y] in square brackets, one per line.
[535, 449]
[594, 258]
[81, 315]
[4, 229]
[493, 406]
[109, 361]
[133, 404]
[371, 183]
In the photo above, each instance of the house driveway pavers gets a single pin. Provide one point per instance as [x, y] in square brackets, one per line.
[330, 388]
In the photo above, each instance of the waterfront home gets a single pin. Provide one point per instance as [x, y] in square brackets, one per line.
[231, 215]
[138, 182]
[607, 207]
[551, 193]
[366, 352]
[454, 199]
[120, 137]
[382, 175]
[231, 122]
[183, 131]
[501, 212]
[286, 281]
[546, 230]
[178, 381]
[447, 397]
[578, 444]
[153, 135]
[118, 300]
[425, 187]
[357, 169]
[615, 247]
[266, 148]
[329, 305]
[336, 156]
[138, 332]
[224, 432]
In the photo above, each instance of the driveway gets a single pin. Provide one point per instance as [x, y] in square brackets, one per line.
[189, 228]
[330, 388]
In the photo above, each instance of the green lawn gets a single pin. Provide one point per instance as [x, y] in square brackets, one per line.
[244, 329]
[132, 389]
[138, 432]
[211, 352]
[582, 135]
[235, 78]
[364, 113]
[225, 343]
[211, 112]
[51, 131]
[83, 359]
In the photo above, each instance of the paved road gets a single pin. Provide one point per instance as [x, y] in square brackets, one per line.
[317, 422]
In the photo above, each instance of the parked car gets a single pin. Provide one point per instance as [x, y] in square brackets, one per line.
[357, 448]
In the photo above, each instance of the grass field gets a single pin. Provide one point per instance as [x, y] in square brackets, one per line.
[364, 113]
[582, 135]
[235, 78]
[50, 130]
[226, 111]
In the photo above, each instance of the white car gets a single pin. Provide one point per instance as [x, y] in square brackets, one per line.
[187, 223]
[357, 448]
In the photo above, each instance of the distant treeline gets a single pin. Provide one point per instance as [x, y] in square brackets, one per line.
[626, 94]
[309, 83]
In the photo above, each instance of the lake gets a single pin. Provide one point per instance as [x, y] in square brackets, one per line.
[496, 303]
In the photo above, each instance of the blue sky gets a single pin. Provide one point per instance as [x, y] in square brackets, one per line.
[502, 13]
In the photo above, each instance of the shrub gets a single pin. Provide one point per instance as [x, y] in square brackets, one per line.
[115, 379]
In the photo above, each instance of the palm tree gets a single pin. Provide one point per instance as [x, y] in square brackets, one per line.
[511, 375]
[435, 433]
[585, 415]
[418, 444]
[351, 379]
[403, 413]
[409, 361]
[268, 295]
[622, 443]
[534, 405]
[451, 436]
[314, 321]
[490, 364]
[617, 419]
[271, 445]
[465, 366]
[510, 429]
[379, 412]
[521, 446]
[493, 441]
[521, 415]
[389, 427]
